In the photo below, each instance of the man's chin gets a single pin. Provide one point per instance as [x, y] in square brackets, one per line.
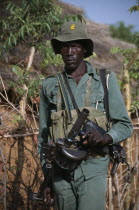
[71, 67]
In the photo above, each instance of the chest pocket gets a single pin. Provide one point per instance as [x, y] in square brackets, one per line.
[61, 123]
[93, 98]
[54, 94]
[97, 102]
[56, 99]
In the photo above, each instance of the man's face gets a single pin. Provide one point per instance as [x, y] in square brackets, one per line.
[72, 54]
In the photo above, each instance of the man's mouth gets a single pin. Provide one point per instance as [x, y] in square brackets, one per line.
[69, 60]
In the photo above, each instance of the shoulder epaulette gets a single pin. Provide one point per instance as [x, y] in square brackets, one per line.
[108, 71]
[51, 76]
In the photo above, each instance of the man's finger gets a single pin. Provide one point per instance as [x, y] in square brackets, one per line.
[85, 142]
[86, 135]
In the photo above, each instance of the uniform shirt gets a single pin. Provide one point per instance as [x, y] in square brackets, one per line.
[121, 124]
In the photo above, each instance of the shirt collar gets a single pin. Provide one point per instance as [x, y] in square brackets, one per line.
[91, 70]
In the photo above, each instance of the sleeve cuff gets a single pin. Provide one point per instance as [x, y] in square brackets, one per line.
[114, 136]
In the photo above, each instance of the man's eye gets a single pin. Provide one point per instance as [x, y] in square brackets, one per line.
[64, 47]
[75, 46]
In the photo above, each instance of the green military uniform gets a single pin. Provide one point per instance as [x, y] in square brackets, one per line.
[89, 182]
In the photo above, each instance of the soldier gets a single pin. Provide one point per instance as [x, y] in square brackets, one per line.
[85, 186]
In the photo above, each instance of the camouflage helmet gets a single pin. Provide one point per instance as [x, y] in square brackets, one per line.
[73, 31]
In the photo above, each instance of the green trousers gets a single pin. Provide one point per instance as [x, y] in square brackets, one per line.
[80, 194]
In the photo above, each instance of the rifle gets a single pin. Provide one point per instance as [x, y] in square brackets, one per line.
[118, 155]
[42, 195]
[67, 153]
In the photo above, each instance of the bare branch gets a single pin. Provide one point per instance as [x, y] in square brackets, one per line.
[19, 135]
[4, 87]
[10, 103]
[31, 56]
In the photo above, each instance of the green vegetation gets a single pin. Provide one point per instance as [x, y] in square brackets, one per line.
[122, 32]
[135, 8]
[32, 23]
[126, 33]
[131, 60]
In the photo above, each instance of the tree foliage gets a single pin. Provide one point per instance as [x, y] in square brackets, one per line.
[131, 59]
[134, 8]
[135, 37]
[32, 23]
[126, 33]
[122, 32]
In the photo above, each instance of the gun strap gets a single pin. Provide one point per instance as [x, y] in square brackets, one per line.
[64, 94]
[106, 93]
[71, 94]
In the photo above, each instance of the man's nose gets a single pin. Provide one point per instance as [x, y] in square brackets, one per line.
[69, 51]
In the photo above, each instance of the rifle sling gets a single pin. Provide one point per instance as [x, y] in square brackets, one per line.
[71, 94]
[64, 95]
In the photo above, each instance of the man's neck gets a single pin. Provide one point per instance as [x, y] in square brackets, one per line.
[78, 73]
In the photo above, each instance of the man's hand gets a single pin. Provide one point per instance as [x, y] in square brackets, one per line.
[95, 138]
[48, 196]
